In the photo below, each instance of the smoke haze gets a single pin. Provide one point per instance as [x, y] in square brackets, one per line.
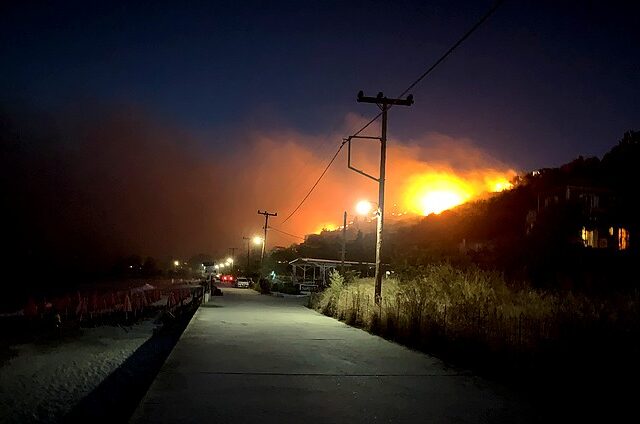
[104, 182]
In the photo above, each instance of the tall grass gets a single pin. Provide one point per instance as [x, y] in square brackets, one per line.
[470, 311]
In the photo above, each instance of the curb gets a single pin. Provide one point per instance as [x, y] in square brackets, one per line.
[278, 294]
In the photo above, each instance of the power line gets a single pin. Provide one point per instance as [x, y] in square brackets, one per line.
[466, 35]
[285, 233]
[437, 62]
[460, 41]
[317, 181]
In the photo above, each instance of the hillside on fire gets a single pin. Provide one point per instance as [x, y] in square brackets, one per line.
[572, 227]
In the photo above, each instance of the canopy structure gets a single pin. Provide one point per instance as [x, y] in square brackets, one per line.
[316, 270]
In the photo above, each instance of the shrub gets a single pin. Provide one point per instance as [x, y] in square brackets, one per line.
[475, 310]
[285, 288]
[328, 299]
[263, 286]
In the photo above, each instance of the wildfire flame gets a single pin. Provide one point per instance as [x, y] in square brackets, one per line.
[434, 193]
[501, 185]
[438, 191]
[425, 175]
[326, 227]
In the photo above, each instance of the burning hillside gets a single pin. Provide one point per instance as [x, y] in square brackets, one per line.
[438, 191]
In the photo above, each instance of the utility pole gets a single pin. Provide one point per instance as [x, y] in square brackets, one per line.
[248, 239]
[344, 240]
[233, 257]
[384, 104]
[264, 241]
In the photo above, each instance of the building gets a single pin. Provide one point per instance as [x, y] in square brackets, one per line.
[599, 226]
[316, 271]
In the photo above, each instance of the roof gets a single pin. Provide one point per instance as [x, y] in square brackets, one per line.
[316, 261]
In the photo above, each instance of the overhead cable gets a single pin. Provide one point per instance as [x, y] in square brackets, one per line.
[466, 35]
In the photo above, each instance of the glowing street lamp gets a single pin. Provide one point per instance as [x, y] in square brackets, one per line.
[176, 263]
[364, 207]
[257, 240]
[230, 261]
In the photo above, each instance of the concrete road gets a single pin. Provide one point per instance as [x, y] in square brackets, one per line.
[249, 358]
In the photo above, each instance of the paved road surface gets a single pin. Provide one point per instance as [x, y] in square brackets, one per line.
[247, 358]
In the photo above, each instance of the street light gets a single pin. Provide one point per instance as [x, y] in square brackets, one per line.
[176, 263]
[364, 207]
[257, 240]
[230, 264]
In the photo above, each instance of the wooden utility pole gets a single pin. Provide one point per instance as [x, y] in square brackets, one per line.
[264, 241]
[384, 104]
[233, 257]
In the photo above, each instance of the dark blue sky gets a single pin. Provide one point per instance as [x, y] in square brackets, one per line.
[539, 84]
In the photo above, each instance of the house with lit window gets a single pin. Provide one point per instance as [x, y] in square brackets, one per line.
[594, 208]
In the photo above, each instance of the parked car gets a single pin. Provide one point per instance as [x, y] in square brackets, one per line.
[242, 282]
[227, 278]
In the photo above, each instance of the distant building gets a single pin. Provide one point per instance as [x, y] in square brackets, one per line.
[208, 268]
[316, 271]
[600, 227]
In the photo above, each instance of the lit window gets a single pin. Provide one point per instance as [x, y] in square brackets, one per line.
[610, 231]
[589, 237]
[623, 239]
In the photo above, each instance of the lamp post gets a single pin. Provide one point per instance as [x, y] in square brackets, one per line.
[230, 263]
[259, 241]
[256, 240]
[248, 239]
[364, 208]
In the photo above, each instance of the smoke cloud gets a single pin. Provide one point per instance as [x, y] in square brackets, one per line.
[99, 183]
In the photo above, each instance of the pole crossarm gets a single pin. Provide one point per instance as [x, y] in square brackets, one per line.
[381, 100]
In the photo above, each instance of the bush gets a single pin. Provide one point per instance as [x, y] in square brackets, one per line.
[329, 299]
[263, 286]
[473, 311]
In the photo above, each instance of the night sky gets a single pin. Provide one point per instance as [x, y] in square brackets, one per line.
[165, 126]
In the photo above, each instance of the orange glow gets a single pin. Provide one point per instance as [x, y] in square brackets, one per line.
[363, 207]
[326, 227]
[501, 184]
[436, 192]
[428, 174]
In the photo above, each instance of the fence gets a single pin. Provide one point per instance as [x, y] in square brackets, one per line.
[112, 306]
